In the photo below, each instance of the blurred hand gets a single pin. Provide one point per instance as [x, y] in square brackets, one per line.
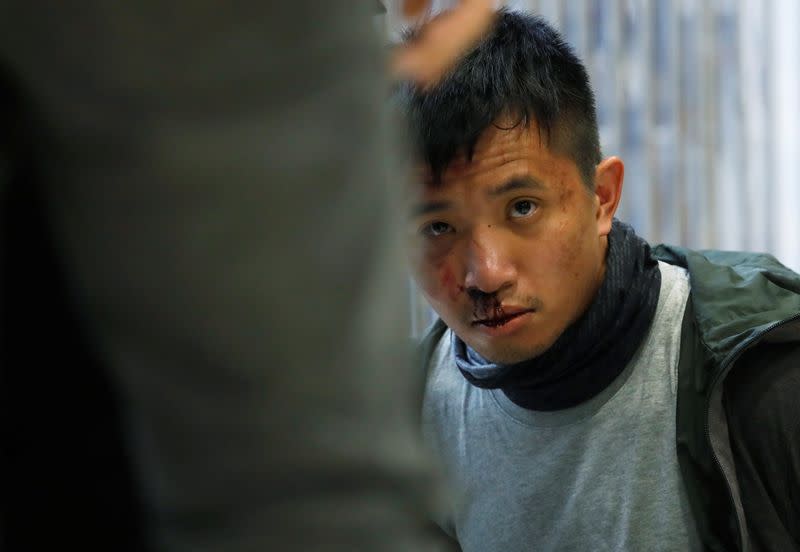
[441, 41]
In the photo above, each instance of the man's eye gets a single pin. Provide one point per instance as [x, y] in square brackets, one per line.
[522, 208]
[436, 228]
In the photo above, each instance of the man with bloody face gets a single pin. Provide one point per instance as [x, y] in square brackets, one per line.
[586, 391]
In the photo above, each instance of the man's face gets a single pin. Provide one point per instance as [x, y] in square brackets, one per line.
[510, 248]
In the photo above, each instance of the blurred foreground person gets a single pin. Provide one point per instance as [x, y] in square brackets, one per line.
[203, 330]
[587, 392]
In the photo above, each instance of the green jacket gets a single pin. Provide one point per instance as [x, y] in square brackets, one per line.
[742, 315]
[741, 306]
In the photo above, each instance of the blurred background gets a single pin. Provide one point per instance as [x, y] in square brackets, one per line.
[701, 100]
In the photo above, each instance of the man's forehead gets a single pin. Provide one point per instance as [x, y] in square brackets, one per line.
[496, 147]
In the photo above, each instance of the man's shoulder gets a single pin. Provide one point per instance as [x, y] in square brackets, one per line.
[736, 296]
[436, 358]
[445, 386]
[714, 269]
[430, 344]
[674, 279]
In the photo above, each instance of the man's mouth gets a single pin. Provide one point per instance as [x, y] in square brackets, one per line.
[501, 317]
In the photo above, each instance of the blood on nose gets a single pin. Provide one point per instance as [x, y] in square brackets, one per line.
[485, 305]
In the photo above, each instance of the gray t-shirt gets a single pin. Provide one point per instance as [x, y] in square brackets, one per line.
[600, 476]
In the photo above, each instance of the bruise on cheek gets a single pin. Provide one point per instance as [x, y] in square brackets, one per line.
[447, 282]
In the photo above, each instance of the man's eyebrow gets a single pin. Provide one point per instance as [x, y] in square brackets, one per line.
[518, 183]
[428, 207]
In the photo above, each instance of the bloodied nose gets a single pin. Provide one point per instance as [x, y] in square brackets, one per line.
[486, 305]
[478, 296]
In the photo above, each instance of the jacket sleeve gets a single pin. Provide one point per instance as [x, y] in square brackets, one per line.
[763, 411]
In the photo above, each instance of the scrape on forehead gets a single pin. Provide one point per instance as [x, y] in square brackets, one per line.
[503, 142]
[496, 144]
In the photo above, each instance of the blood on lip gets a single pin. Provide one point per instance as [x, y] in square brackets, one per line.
[499, 321]
[488, 304]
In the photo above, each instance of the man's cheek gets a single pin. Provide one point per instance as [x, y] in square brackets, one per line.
[439, 282]
[448, 283]
[565, 255]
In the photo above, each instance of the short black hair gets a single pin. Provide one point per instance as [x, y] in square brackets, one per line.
[522, 69]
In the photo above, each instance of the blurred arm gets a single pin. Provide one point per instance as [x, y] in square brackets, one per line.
[216, 180]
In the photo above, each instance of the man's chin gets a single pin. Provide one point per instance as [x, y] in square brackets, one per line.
[500, 351]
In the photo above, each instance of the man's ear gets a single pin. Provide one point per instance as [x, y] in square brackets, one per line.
[608, 178]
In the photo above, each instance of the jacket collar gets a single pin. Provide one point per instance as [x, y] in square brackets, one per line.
[738, 298]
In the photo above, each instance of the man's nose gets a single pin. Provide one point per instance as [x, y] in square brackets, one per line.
[489, 269]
